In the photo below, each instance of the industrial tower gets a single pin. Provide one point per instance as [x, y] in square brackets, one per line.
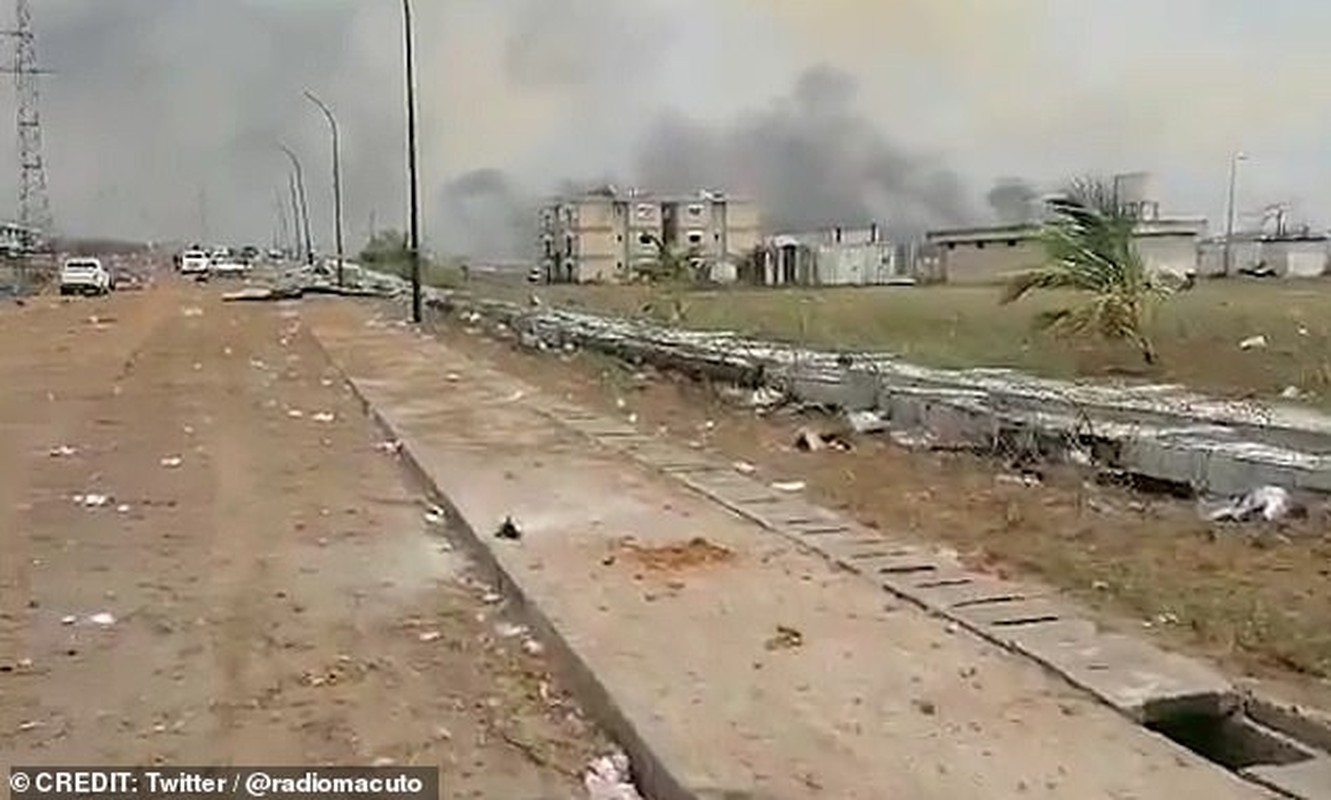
[34, 206]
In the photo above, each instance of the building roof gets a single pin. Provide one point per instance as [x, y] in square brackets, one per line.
[1169, 226]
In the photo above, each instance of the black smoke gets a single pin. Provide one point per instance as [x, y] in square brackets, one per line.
[1013, 201]
[811, 160]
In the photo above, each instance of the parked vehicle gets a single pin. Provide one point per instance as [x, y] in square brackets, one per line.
[194, 262]
[84, 276]
[229, 266]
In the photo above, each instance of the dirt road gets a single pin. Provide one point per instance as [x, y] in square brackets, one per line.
[206, 558]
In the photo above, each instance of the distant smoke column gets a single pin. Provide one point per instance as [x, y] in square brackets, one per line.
[34, 204]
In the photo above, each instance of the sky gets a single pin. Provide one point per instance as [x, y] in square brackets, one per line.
[162, 119]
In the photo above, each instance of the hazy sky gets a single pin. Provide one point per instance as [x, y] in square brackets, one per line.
[907, 110]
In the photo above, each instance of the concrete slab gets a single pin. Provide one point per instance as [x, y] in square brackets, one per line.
[1306, 780]
[874, 703]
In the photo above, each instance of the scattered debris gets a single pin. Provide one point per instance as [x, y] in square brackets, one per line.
[430, 636]
[789, 486]
[1257, 342]
[295, 413]
[786, 638]
[63, 451]
[811, 441]
[91, 500]
[392, 447]
[765, 397]
[324, 416]
[103, 619]
[436, 515]
[1022, 479]
[509, 630]
[68, 619]
[1271, 503]
[533, 647]
[610, 778]
[171, 462]
[1291, 393]
[744, 468]
[925, 707]
[192, 311]
[491, 598]
[865, 421]
[508, 530]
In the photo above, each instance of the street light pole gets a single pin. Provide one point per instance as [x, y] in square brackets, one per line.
[337, 178]
[415, 241]
[304, 207]
[1229, 212]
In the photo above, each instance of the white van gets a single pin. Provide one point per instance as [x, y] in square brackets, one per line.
[194, 262]
[84, 276]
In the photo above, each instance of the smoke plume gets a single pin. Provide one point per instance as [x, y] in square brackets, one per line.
[810, 160]
[1013, 200]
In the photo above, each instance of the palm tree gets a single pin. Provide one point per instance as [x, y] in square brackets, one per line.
[1089, 247]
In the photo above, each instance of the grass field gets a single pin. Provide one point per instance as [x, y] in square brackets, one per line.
[1197, 332]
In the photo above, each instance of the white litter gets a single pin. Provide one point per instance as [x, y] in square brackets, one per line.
[430, 636]
[63, 451]
[388, 447]
[744, 468]
[533, 647]
[789, 486]
[509, 630]
[103, 619]
[1291, 393]
[492, 597]
[1271, 503]
[324, 416]
[452, 377]
[609, 778]
[192, 311]
[325, 382]
[435, 515]
[171, 462]
[1253, 343]
[123, 508]
[91, 500]
[68, 619]
[295, 413]
[865, 421]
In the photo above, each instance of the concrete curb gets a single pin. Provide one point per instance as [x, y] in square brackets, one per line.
[652, 776]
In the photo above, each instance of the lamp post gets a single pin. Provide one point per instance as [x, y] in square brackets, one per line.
[337, 178]
[1229, 208]
[304, 204]
[415, 240]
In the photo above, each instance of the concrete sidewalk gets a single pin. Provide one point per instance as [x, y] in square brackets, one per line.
[766, 674]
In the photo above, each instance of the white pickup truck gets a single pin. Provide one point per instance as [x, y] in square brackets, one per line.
[84, 276]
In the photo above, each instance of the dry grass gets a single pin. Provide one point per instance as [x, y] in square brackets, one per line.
[1197, 332]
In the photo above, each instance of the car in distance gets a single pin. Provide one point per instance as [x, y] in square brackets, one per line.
[194, 262]
[84, 276]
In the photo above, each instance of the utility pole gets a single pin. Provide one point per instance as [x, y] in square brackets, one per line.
[304, 203]
[1229, 213]
[415, 240]
[295, 215]
[34, 203]
[283, 234]
[337, 178]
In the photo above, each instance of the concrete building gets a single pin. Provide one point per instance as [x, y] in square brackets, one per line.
[607, 236]
[16, 240]
[829, 257]
[1298, 255]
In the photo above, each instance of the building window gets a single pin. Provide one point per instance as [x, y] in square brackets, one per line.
[979, 245]
[619, 237]
[695, 210]
[716, 236]
[644, 210]
[951, 245]
[1011, 242]
[695, 237]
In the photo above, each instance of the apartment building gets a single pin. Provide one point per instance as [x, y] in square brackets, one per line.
[606, 236]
